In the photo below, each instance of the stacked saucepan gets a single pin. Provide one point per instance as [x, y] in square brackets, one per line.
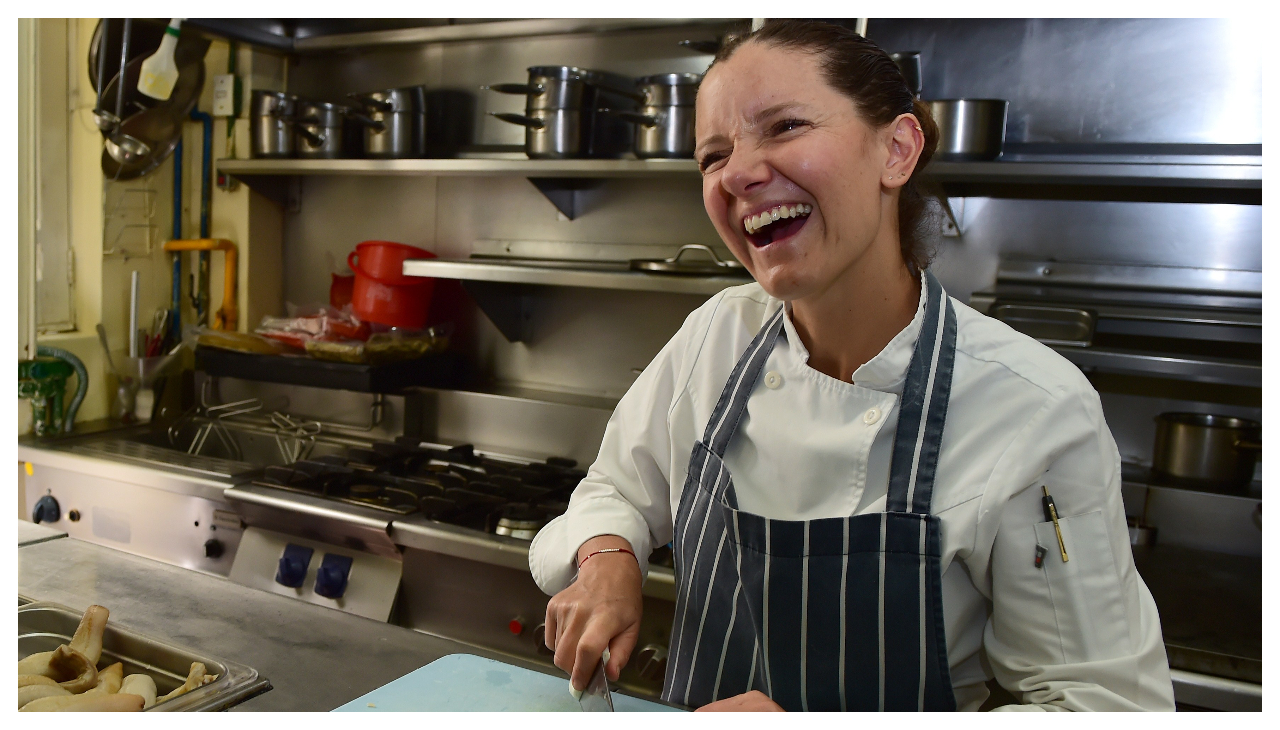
[573, 112]
[393, 123]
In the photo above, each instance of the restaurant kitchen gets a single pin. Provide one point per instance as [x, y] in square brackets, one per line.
[511, 257]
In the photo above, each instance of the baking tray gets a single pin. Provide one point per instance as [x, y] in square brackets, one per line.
[42, 626]
[446, 369]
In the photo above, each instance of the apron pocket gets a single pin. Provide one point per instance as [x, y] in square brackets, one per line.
[1088, 600]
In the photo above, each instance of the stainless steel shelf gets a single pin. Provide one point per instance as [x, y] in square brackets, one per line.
[320, 35]
[461, 167]
[1199, 370]
[1239, 182]
[618, 279]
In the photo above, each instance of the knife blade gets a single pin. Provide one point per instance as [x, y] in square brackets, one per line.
[596, 696]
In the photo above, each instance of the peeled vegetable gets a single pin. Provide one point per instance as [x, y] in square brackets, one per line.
[86, 703]
[33, 692]
[141, 685]
[109, 680]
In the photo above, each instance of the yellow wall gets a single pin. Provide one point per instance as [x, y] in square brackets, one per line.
[102, 283]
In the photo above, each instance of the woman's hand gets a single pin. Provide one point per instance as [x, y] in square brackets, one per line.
[601, 608]
[753, 701]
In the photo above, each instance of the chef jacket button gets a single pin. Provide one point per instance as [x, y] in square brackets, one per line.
[871, 416]
[773, 380]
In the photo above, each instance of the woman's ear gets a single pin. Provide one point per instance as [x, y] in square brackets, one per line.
[905, 141]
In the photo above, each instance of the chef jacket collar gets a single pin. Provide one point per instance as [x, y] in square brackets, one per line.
[888, 369]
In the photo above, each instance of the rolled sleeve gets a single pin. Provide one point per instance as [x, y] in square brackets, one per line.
[627, 491]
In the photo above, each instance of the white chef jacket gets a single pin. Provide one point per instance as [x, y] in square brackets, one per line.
[1082, 634]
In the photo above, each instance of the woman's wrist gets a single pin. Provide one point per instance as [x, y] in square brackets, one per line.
[604, 549]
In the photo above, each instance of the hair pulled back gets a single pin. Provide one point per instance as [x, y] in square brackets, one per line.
[864, 73]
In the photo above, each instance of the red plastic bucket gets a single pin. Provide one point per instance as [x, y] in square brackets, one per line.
[382, 293]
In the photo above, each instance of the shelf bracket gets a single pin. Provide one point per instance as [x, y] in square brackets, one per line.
[953, 226]
[508, 306]
[567, 194]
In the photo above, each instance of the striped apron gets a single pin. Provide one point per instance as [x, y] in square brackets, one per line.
[841, 613]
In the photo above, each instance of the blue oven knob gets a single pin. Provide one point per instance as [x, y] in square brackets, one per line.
[292, 569]
[331, 578]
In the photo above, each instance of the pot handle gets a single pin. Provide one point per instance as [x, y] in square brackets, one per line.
[1244, 445]
[647, 120]
[374, 104]
[366, 120]
[314, 139]
[520, 119]
[523, 89]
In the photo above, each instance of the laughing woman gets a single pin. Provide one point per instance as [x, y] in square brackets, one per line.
[852, 466]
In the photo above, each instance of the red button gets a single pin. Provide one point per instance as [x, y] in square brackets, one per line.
[516, 626]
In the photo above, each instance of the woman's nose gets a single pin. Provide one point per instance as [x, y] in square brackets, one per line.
[745, 170]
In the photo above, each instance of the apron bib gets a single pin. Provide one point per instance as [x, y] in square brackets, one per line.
[841, 613]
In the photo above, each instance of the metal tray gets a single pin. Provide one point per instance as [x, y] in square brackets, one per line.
[43, 626]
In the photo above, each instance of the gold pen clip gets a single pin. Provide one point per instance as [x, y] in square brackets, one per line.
[1051, 514]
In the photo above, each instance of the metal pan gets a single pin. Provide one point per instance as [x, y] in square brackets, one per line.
[43, 626]
[675, 264]
[1206, 452]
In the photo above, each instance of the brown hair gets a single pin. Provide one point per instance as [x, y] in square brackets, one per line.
[862, 71]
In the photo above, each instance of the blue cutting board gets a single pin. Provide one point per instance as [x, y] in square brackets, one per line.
[465, 682]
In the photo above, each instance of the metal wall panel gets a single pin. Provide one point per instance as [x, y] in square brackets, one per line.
[1149, 80]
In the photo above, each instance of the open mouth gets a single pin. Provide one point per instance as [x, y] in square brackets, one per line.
[782, 221]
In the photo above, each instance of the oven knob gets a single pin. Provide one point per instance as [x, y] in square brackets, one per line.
[540, 642]
[292, 569]
[46, 510]
[213, 549]
[652, 662]
[331, 577]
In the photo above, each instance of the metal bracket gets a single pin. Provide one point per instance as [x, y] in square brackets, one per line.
[508, 306]
[953, 226]
[567, 194]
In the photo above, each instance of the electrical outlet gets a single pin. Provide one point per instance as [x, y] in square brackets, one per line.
[224, 95]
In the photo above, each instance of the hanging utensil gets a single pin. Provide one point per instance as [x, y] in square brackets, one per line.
[106, 121]
[124, 148]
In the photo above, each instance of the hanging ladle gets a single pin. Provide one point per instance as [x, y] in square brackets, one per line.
[123, 148]
[107, 122]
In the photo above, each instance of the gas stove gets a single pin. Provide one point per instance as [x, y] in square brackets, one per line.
[451, 485]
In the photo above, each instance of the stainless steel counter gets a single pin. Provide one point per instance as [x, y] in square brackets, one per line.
[316, 658]
[30, 533]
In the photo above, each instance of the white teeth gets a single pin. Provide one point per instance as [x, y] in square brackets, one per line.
[760, 220]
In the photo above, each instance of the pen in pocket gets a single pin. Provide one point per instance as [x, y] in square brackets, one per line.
[1051, 514]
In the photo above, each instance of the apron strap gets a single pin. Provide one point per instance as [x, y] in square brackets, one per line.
[733, 399]
[922, 411]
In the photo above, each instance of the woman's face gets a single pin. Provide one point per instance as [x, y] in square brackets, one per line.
[792, 175]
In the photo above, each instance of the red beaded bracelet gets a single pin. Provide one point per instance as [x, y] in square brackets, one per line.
[607, 550]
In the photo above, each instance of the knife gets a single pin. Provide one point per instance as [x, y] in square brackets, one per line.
[596, 696]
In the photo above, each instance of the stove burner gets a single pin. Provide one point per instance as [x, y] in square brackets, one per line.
[454, 486]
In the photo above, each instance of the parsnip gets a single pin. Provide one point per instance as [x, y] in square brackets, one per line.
[109, 680]
[26, 680]
[86, 703]
[37, 664]
[88, 637]
[142, 685]
[33, 692]
[73, 670]
[195, 678]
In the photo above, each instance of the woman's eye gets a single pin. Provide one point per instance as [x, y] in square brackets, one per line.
[787, 125]
[710, 160]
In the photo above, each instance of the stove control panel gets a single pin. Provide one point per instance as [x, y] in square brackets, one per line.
[331, 576]
[291, 569]
[317, 572]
